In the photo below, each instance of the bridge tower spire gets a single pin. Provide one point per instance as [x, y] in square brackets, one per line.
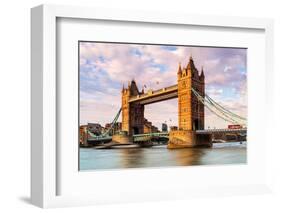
[179, 70]
[202, 76]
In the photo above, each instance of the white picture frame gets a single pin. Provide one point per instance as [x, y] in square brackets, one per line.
[44, 150]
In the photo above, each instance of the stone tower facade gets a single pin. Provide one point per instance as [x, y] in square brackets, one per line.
[190, 109]
[132, 113]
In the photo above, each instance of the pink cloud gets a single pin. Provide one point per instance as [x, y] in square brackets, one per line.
[118, 64]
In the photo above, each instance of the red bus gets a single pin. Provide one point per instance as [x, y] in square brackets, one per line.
[235, 126]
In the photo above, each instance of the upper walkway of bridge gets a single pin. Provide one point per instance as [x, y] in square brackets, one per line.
[153, 96]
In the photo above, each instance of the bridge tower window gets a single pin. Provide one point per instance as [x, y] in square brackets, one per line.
[196, 124]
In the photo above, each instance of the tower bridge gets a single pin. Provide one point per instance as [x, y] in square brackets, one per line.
[190, 109]
[192, 100]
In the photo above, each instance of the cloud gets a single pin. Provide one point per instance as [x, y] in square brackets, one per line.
[106, 67]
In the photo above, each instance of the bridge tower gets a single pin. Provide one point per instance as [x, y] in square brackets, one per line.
[190, 110]
[132, 113]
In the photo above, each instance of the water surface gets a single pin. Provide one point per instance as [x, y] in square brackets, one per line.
[160, 156]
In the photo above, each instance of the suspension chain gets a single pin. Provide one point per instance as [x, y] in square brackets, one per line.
[218, 110]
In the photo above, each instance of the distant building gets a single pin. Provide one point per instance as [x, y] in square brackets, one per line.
[148, 127]
[173, 128]
[164, 127]
[95, 128]
[107, 126]
[117, 128]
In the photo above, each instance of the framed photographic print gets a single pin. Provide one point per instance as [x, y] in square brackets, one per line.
[130, 106]
[151, 112]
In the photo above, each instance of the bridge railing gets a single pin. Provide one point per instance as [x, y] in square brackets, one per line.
[152, 134]
[221, 130]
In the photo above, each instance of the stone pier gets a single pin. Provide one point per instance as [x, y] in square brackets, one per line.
[122, 138]
[187, 139]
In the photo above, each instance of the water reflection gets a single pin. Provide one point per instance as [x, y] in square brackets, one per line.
[188, 156]
[131, 158]
[160, 156]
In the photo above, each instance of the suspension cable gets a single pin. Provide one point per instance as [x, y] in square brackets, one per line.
[111, 126]
[210, 104]
[205, 103]
[113, 123]
[224, 109]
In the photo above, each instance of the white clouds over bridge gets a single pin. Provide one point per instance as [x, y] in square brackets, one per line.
[105, 67]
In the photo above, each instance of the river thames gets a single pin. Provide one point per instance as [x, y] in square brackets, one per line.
[160, 156]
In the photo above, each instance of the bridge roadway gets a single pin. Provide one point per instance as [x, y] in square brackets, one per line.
[151, 96]
[208, 131]
[140, 137]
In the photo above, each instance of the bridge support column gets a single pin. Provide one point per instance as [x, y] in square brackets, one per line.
[187, 139]
[122, 138]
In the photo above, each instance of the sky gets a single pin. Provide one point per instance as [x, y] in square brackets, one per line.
[106, 67]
